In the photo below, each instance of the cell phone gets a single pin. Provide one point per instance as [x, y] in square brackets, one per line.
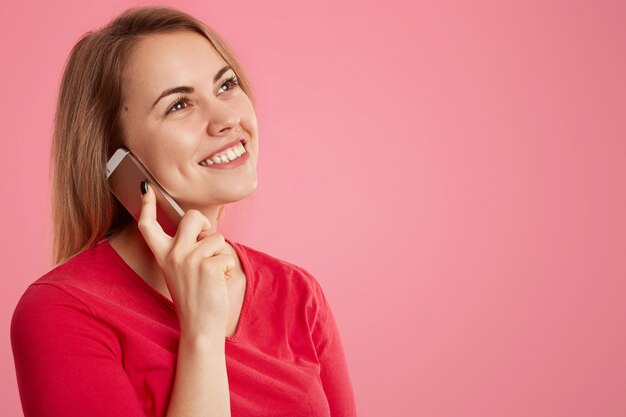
[124, 174]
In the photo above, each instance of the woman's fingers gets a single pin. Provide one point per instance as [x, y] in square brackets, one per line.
[226, 263]
[193, 224]
[215, 247]
[152, 232]
[206, 231]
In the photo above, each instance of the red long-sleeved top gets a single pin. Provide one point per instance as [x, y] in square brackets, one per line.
[92, 338]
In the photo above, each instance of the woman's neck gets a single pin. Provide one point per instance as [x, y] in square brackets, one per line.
[130, 244]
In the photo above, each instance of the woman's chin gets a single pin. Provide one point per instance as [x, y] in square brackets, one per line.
[226, 197]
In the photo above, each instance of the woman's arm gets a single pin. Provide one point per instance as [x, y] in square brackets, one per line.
[68, 363]
[201, 381]
[333, 367]
[195, 271]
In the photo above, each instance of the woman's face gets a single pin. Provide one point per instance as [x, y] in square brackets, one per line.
[179, 106]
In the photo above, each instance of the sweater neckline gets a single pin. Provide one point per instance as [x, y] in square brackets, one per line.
[247, 269]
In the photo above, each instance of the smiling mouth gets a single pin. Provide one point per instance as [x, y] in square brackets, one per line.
[234, 146]
[236, 152]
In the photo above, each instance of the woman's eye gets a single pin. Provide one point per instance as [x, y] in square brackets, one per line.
[232, 82]
[180, 104]
[183, 102]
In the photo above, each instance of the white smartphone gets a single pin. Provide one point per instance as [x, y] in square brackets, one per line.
[124, 174]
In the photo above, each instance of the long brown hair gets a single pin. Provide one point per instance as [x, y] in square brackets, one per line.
[87, 129]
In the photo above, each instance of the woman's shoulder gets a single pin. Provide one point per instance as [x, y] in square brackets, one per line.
[82, 267]
[277, 271]
[66, 281]
[49, 300]
[54, 309]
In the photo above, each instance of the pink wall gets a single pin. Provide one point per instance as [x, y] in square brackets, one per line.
[453, 173]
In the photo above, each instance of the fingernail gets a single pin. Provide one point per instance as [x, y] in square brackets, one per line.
[144, 187]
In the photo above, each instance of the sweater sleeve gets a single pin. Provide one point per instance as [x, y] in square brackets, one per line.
[333, 367]
[67, 362]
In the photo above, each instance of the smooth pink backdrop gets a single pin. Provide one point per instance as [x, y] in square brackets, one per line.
[452, 172]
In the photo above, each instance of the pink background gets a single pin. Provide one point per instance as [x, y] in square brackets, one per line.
[453, 173]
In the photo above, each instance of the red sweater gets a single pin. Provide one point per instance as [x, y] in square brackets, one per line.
[92, 338]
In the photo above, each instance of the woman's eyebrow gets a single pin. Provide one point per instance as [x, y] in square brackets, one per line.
[220, 73]
[182, 89]
[186, 89]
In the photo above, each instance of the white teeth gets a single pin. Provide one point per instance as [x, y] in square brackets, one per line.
[224, 158]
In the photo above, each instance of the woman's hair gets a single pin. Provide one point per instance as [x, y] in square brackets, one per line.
[87, 127]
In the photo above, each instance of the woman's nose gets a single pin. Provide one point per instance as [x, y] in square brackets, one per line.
[220, 117]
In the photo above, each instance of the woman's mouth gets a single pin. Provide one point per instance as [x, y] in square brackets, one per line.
[228, 158]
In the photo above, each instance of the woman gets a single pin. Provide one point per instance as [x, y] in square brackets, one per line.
[131, 321]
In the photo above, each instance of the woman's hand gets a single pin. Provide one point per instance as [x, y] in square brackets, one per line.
[195, 267]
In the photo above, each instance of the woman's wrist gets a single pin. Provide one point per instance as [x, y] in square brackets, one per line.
[203, 340]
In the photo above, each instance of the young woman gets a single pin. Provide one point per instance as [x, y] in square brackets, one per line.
[131, 321]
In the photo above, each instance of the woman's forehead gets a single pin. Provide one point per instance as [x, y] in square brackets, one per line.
[166, 59]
